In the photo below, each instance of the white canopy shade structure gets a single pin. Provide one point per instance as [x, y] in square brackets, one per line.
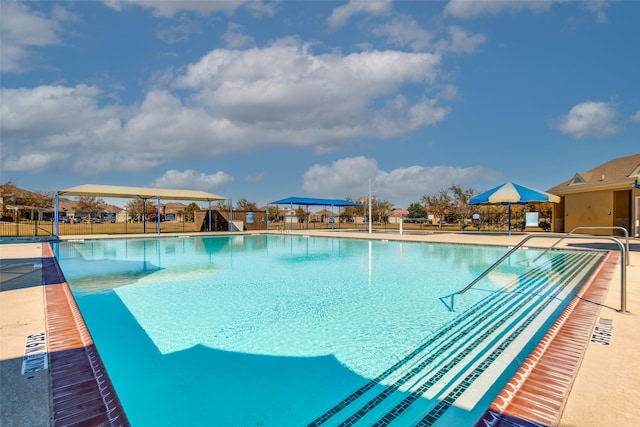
[143, 193]
[138, 193]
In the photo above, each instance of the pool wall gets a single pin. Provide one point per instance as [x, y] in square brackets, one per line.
[81, 391]
[83, 394]
[537, 392]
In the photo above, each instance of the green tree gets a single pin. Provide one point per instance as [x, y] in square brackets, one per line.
[416, 210]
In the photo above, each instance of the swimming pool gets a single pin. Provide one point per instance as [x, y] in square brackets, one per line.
[292, 330]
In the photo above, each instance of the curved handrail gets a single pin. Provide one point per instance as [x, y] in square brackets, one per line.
[623, 270]
[613, 227]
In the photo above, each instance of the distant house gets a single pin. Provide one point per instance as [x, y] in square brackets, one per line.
[606, 196]
[173, 211]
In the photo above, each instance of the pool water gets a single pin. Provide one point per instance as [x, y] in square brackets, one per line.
[271, 330]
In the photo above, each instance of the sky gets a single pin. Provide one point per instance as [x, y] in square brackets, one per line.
[265, 100]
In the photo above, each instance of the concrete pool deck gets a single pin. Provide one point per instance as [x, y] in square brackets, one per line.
[605, 390]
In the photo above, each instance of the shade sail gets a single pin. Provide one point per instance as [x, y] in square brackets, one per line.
[313, 202]
[510, 193]
[138, 193]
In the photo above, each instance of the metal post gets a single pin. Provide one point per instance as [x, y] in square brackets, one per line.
[369, 207]
[210, 212]
[158, 216]
[55, 216]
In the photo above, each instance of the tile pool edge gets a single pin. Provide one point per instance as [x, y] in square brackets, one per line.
[81, 391]
[538, 391]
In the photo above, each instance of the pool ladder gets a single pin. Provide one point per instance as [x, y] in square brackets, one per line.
[623, 263]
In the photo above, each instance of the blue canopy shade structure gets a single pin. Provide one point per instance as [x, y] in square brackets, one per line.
[509, 194]
[313, 202]
[307, 201]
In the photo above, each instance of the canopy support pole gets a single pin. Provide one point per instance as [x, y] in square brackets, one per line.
[55, 215]
[144, 216]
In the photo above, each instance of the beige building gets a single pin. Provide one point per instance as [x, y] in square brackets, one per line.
[606, 196]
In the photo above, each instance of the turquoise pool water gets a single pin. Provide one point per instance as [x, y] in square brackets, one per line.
[277, 330]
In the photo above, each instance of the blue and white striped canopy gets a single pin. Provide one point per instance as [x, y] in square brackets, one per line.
[512, 194]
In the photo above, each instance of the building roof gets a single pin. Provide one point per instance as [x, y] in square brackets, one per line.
[620, 173]
[138, 193]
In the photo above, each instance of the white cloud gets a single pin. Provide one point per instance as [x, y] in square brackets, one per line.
[398, 116]
[597, 7]
[180, 31]
[636, 117]
[590, 119]
[343, 178]
[192, 179]
[342, 14]
[50, 111]
[350, 177]
[233, 101]
[22, 29]
[33, 162]
[235, 37]
[466, 9]
[168, 9]
[405, 31]
[461, 41]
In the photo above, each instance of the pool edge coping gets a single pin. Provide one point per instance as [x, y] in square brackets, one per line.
[83, 394]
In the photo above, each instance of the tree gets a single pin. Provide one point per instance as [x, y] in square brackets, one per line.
[223, 205]
[416, 210]
[245, 205]
[349, 212]
[461, 207]
[90, 205]
[273, 213]
[383, 209]
[439, 204]
[190, 211]
[300, 214]
[137, 208]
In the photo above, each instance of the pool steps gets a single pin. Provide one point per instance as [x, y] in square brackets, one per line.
[471, 351]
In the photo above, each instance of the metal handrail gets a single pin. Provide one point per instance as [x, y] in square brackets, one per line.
[623, 270]
[614, 227]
